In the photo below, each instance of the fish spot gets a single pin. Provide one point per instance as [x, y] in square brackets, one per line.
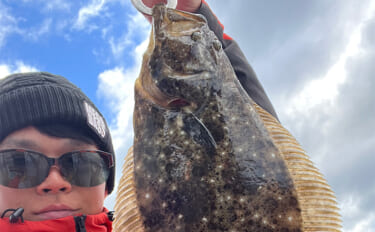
[180, 122]
[196, 36]
[217, 45]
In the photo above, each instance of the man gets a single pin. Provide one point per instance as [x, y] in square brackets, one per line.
[56, 156]
[56, 153]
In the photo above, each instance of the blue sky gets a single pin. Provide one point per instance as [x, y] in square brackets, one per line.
[314, 58]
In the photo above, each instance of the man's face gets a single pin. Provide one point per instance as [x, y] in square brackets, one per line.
[54, 197]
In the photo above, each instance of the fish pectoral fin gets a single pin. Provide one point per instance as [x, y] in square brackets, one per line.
[199, 132]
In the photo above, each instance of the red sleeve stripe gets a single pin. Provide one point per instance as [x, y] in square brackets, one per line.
[227, 37]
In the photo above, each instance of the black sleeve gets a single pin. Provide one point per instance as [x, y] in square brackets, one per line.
[241, 66]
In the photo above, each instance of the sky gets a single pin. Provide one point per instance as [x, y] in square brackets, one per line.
[315, 60]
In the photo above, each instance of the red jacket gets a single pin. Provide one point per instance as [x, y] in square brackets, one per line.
[85, 223]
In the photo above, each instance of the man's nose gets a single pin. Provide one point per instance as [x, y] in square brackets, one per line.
[54, 183]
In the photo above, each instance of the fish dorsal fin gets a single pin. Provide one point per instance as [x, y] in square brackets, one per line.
[127, 214]
[316, 199]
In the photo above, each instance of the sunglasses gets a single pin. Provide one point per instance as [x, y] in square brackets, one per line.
[21, 168]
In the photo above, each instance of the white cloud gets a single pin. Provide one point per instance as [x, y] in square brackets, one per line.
[313, 105]
[121, 79]
[350, 208]
[137, 26]
[324, 90]
[35, 33]
[57, 5]
[120, 98]
[318, 111]
[4, 71]
[365, 225]
[116, 86]
[93, 9]
[50, 5]
[8, 24]
[18, 67]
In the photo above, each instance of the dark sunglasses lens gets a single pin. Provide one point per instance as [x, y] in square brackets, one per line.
[84, 169]
[22, 169]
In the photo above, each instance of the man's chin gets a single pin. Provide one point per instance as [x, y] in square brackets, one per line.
[50, 215]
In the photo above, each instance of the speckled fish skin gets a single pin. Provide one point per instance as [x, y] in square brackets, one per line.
[203, 159]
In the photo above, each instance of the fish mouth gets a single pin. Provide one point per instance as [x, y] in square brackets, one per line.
[152, 93]
[178, 103]
[150, 89]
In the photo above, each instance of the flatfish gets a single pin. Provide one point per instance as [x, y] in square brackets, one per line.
[206, 157]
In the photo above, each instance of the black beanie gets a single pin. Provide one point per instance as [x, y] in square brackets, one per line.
[42, 98]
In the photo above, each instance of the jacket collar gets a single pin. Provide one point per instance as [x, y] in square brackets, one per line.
[83, 223]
